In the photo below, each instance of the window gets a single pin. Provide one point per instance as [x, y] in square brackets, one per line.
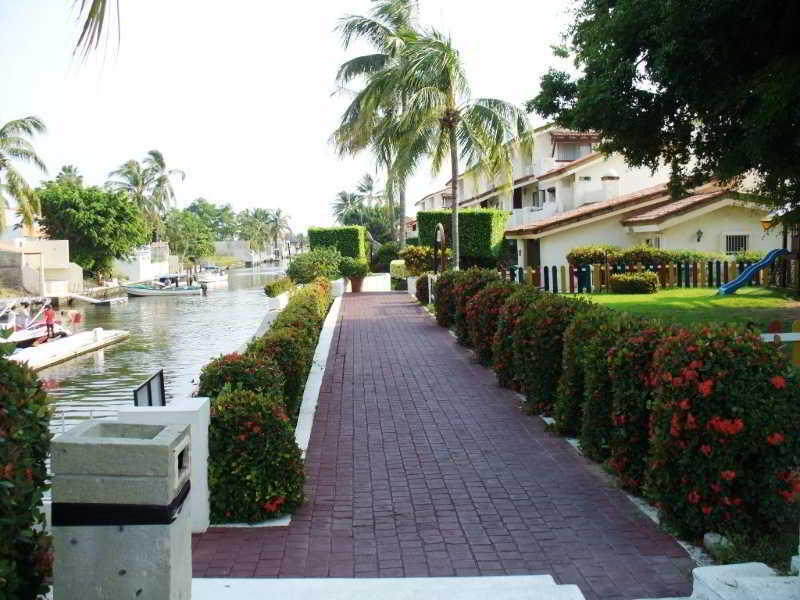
[585, 178]
[568, 151]
[551, 194]
[736, 243]
[517, 198]
[653, 242]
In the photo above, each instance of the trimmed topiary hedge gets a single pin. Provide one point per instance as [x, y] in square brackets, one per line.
[350, 240]
[397, 269]
[259, 374]
[25, 555]
[483, 312]
[503, 342]
[277, 287]
[725, 435]
[320, 262]
[634, 283]
[470, 283]
[255, 469]
[481, 232]
[444, 297]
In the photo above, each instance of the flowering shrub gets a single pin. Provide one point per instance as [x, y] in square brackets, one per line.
[260, 374]
[445, 298]
[277, 287]
[422, 292]
[397, 269]
[502, 343]
[724, 433]
[319, 262]
[482, 314]
[419, 259]
[470, 283]
[568, 406]
[630, 367]
[644, 282]
[308, 306]
[255, 469]
[25, 557]
[537, 342]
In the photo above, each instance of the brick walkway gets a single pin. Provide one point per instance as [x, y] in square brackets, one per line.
[419, 465]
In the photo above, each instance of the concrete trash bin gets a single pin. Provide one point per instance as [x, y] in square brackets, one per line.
[120, 529]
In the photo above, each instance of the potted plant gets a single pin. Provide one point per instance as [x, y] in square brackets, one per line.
[355, 271]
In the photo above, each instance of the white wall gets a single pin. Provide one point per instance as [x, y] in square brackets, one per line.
[554, 248]
[140, 267]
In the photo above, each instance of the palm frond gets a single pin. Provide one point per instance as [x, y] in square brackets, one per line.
[94, 13]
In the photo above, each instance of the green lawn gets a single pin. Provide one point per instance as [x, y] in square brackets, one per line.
[693, 305]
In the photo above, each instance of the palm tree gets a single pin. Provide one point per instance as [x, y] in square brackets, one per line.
[254, 226]
[278, 225]
[162, 194]
[69, 175]
[387, 29]
[367, 189]
[346, 205]
[14, 146]
[93, 13]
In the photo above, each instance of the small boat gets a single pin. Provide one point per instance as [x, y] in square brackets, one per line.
[145, 289]
[212, 275]
[36, 332]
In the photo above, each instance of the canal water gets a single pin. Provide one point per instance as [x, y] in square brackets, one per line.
[178, 334]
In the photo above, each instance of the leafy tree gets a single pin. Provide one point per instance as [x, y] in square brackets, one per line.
[346, 205]
[709, 88]
[15, 147]
[254, 226]
[221, 219]
[188, 236]
[100, 225]
[69, 174]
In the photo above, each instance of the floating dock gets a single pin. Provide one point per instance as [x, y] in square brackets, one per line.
[98, 301]
[58, 351]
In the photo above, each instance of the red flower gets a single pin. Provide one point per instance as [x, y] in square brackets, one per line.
[788, 495]
[689, 374]
[716, 488]
[728, 475]
[775, 438]
[695, 364]
[705, 449]
[691, 422]
[707, 510]
[693, 497]
[705, 388]
[778, 382]
[685, 404]
[677, 381]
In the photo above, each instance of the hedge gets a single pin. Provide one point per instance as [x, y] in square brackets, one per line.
[502, 343]
[352, 268]
[469, 283]
[320, 262]
[444, 297]
[725, 434]
[350, 240]
[25, 555]
[277, 287]
[645, 282]
[259, 374]
[481, 232]
[383, 256]
[255, 469]
[422, 292]
[483, 312]
[647, 255]
[397, 269]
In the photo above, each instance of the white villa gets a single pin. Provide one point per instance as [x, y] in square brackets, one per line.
[569, 195]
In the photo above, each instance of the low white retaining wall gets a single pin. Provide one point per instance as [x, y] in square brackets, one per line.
[412, 285]
[279, 302]
[339, 287]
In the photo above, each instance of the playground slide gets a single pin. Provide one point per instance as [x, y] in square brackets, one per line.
[747, 274]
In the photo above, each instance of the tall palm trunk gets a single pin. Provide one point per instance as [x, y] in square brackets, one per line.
[453, 193]
[402, 215]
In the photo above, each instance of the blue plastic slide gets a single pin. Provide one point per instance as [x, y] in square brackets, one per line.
[747, 274]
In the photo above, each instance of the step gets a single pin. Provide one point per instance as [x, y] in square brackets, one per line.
[722, 582]
[515, 587]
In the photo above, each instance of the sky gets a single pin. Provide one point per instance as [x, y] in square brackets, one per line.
[238, 94]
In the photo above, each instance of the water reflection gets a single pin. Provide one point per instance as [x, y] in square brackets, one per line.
[178, 334]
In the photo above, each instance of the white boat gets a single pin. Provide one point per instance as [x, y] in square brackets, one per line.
[212, 275]
[36, 332]
[142, 289]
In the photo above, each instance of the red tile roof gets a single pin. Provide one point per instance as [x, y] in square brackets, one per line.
[570, 165]
[657, 214]
[562, 135]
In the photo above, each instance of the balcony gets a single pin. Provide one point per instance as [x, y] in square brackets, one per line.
[530, 214]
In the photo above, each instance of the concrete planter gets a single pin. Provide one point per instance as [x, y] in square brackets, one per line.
[356, 283]
[279, 302]
[412, 286]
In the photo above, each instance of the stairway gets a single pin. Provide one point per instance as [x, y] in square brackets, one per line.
[745, 581]
[522, 587]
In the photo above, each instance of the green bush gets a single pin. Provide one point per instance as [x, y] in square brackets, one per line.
[397, 269]
[748, 256]
[581, 256]
[444, 297]
[483, 312]
[419, 259]
[308, 306]
[349, 241]
[398, 285]
[352, 268]
[725, 435]
[25, 557]
[645, 255]
[502, 344]
[255, 469]
[422, 292]
[260, 374]
[630, 367]
[644, 282]
[568, 406]
[470, 283]
[277, 287]
[384, 255]
[537, 342]
[320, 262]
[481, 231]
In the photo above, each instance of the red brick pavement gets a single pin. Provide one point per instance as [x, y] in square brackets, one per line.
[420, 465]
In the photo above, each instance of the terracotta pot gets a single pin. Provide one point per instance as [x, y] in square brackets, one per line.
[355, 284]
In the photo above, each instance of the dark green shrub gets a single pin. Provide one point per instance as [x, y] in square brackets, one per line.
[568, 407]
[422, 292]
[277, 287]
[384, 255]
[399, 285]
[260, 374]
[469, 284]
[255, 469]
[593, 255]
[630, 367]
[350, 240]
[748, 256]
[645, 282]
[352, 268]
[481, 231]
[537, 342]
[444, 297]
[725, 434]
[483, 312]
[502, 344]
[25, 556]
[320, 262]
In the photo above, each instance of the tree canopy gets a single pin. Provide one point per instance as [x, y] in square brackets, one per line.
[188, 236]
[220, 219]
[709, 88]
[100, 225]
[15, 147]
